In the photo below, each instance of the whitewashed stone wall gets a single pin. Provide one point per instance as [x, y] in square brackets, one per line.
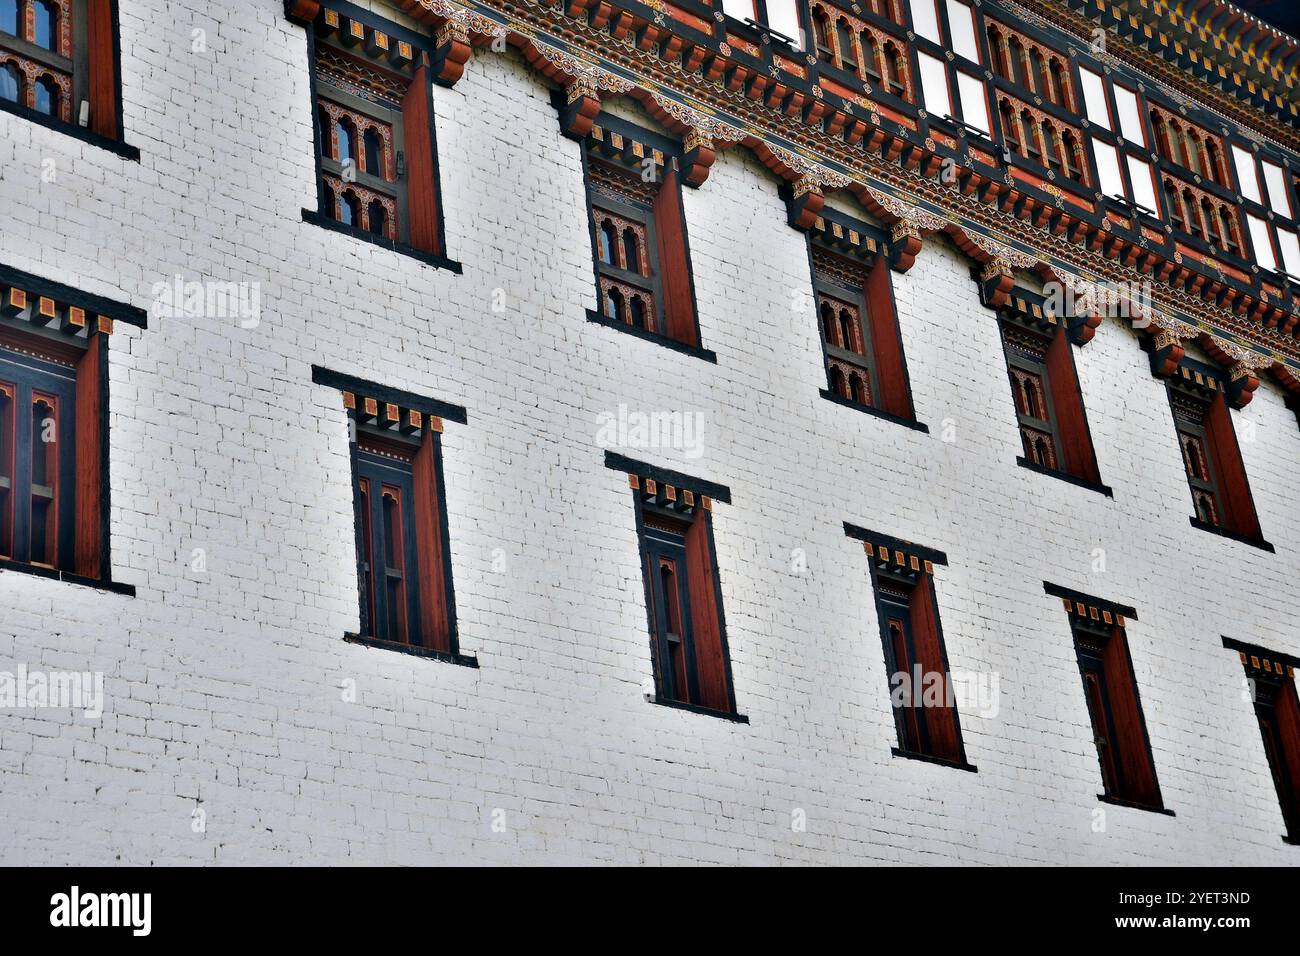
[223, 687]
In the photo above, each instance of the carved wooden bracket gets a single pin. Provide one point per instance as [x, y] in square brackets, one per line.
[580, 108]
[301, 12]
[1166, 353]
[451, 52]
[698, 158]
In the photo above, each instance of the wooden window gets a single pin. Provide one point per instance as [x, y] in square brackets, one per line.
[859, 331]
[1048, 401]
[1115, 711]
[688, 643]
[921, 691]
[638, 231]
[1277, 710]
[57, 58]
[404, 580]
[374, 115]
[1216, 475]
[402, 572]
[52, 438]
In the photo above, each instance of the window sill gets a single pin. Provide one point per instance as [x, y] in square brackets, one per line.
[1232, 535]
[464, 660]
[692, 708]
[67, 577]
[1096, 486]
[926, 758]
[428, 258]
[1132, 805]
[71, 129]
[877, 412]
[700, 353]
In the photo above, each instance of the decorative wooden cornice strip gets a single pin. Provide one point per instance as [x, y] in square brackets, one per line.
[1090, 610]
[1261, 662]
[388, 408]
[666, 488]
[51, 305]
[895, 556]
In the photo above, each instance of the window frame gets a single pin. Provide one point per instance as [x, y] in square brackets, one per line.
[399, 41]
[92, 62]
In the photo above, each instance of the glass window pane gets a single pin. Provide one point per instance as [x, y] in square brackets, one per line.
[1259, 239]
[1130, 120]
[934, 85]
[1094, 97]
[974, 104]
[1289, 245]
[1144, 188]
[1109, 178]
[925, 20]
[1275, 183]
[739, 9]
[961, 19]
[783, 17]
[1245, 163]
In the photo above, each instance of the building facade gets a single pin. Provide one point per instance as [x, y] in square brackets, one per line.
[607, 432]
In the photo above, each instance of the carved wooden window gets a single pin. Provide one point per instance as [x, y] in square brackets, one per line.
[56, 55]
[863, 48]
[1048, 401]
[399, 502]
[688, 643]
[1115, 712]
[1036, 68]
[374, 127]
[859, 331]
[1277, 711]
[638, 236]
[1212, 460]
[53, 367]
[921, 693]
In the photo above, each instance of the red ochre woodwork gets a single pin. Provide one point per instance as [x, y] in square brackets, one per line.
[435, 629]
[421, 191]
[88, 544]
[940, 720]
[1135, 757]
[710, 661]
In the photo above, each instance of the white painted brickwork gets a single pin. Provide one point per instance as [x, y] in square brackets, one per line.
[222, 688]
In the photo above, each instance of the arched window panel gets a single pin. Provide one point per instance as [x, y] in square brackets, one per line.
[46, 98]
[45, 24]
[11, 83]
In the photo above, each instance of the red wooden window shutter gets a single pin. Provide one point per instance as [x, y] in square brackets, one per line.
[883, 319]
[1076, 445]
[435, 624]
[1134, 753]
[91, 394]
[702, 578]
[103, 68]
[1287, 723]
[422, 192]
[941, 719]
[675, 269]
[1234, 497]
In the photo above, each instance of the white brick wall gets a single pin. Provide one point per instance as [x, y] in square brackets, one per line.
[222, 688]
